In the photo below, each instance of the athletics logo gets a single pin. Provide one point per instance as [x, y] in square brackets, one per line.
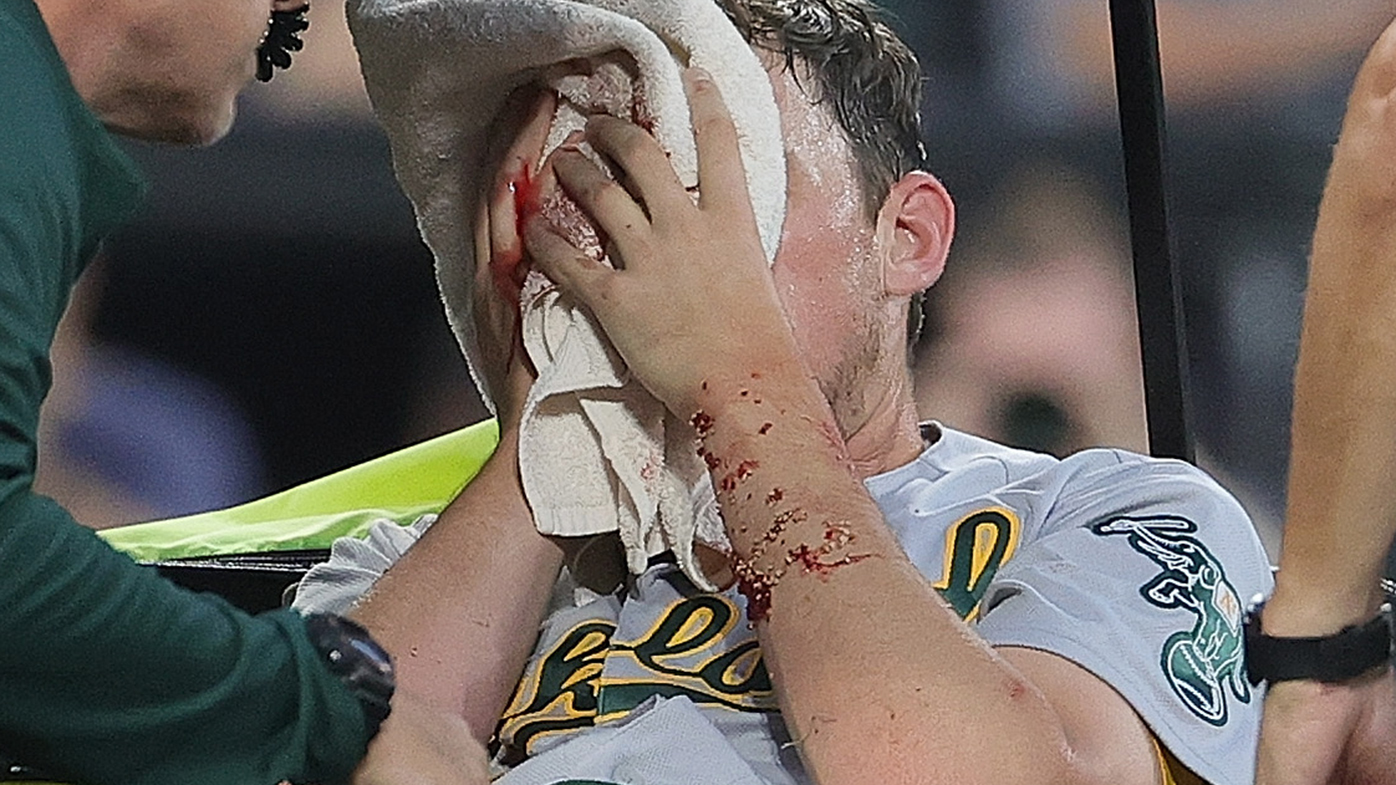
[1201, 663]
[696, 648]
[975, 547]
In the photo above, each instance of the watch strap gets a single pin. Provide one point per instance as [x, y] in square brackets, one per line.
[1340, 657]
[361, 664]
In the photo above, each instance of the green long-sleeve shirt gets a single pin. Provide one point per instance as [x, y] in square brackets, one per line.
[109, 674]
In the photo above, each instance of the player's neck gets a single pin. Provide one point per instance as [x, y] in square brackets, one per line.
[887, 434]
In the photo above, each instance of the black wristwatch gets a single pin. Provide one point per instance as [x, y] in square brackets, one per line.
[1340, 657]
[352, 655]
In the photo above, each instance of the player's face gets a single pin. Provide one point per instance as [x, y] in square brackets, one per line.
[826, 270]
[183, 64]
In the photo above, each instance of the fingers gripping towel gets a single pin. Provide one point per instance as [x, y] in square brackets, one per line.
[597, 453]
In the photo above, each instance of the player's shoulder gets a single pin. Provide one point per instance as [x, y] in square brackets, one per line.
[954, 454]
[960, 474]
[956, 458]
[1115, 481]
[1137, 570]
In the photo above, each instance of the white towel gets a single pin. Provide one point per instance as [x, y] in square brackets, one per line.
[597, 452]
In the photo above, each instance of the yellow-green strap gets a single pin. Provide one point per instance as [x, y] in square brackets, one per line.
[400, 486]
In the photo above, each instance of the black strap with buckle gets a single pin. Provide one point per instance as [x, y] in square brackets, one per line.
[1340, 657]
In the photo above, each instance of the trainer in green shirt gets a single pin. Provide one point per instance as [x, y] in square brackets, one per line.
[109, 674]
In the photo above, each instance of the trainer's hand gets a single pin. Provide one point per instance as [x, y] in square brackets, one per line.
[1329, 734]
[691, 299]
[419, 745]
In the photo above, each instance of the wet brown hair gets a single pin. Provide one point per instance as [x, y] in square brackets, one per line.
[869, 78]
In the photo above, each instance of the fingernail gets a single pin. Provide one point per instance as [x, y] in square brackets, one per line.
[699, 75]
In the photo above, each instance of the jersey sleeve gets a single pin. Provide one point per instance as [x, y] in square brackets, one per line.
[1141, 574]
[333, 586]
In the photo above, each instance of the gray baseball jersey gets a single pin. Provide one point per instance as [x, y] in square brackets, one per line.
[1134, 568]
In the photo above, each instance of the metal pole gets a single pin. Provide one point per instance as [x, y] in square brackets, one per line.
[1158, 294]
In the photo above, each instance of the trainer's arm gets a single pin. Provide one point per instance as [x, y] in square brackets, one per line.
[1215, 52]
[1341, 514]
[107, 672]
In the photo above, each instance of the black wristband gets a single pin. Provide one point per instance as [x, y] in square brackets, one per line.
[351, 654]
[1340, 657]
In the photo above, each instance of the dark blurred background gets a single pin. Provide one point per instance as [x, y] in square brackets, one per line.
[273, 317]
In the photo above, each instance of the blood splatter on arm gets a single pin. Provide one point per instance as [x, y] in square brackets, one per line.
[771, 532]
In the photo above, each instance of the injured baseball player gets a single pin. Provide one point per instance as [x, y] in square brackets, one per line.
[881, 599]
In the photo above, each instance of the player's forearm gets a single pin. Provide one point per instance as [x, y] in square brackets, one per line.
[461, 610]
[873, 671]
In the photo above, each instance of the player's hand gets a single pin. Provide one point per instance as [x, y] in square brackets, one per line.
[692, 299]
[1329, 734]
[419, 745]
[501, 260]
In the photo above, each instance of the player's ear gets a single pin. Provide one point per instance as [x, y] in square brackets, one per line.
[915, 227]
